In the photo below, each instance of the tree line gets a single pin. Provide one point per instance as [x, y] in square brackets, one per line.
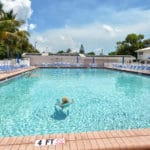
[128, 46]
[81, 51]
[13, 41]
[131, 43]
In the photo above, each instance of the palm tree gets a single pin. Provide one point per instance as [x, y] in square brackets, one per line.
[15, 40]
[23, 40]
[9, 28]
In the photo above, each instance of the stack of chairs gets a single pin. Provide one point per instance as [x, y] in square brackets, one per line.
[131, 67]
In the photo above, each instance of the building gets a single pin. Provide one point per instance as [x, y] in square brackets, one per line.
[86, 61]
[143, 55]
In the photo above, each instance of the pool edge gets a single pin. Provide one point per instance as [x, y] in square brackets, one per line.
[112, 140]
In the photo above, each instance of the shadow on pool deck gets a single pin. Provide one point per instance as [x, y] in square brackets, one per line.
[59, 114]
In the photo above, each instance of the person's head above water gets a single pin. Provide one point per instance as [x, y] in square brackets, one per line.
[65, 99]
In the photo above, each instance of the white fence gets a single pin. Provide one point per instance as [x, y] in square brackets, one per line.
[25, 62]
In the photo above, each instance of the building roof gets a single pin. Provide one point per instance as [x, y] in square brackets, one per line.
[143, 49]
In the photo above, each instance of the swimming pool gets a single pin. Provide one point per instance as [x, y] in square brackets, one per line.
[104, 100]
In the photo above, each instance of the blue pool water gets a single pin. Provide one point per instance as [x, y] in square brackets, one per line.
[104, 100]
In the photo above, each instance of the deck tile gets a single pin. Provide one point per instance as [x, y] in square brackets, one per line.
[73, 145]
[59, 136]
[18, 140]
[90, 135]
[94, 144]
[87, 144]
[59, 147]
[108, 134]
[114, 133]
[26, 140]
[14, 147]
[107, 143]
[11, 140]
[121, 133]
[77, 136]
[66, 146]
[46, 136]
[5, 141]
[96, 135]
[84, 136]
[72, 136]
[121, 143]
[5, 147]
[65, 136]
[100, 143]
[114, 143]
[80, 145]
[51, 147]
[30, 147]
[52, 136]
[127, 143]
[23, 147]
[139, 141]
[144, 132]
[131, 133]
[102, 134]
[126, 133]
[1, 140]
[44, 148]
[36, 148]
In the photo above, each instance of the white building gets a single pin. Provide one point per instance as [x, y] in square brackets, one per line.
[39, 59]
[143, 54]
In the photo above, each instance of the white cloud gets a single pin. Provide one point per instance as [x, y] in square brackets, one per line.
[108, 28]
[91, 36]
[20, 7]
[96, 35]
[32, 26]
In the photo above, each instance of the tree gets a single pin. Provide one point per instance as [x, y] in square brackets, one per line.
[2, 51]
[68, 50]
[131, 43]
[91, 54]
[23, 42]
[81, 49]
[146, 43]
[112, 53]
[60, 52]
[14, 40]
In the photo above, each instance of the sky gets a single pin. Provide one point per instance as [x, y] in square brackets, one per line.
[97, 24]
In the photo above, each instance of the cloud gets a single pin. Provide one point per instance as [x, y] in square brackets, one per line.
[98, 29]
[94, 37]
[108, 28]
[32, 26]
[20, 7]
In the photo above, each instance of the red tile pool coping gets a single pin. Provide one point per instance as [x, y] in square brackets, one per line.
[135, 139]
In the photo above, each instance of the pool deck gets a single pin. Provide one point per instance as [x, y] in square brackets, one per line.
[135, 139]
[144, 72]
[7, 75]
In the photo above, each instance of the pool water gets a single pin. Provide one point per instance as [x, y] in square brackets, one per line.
[104, 100]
